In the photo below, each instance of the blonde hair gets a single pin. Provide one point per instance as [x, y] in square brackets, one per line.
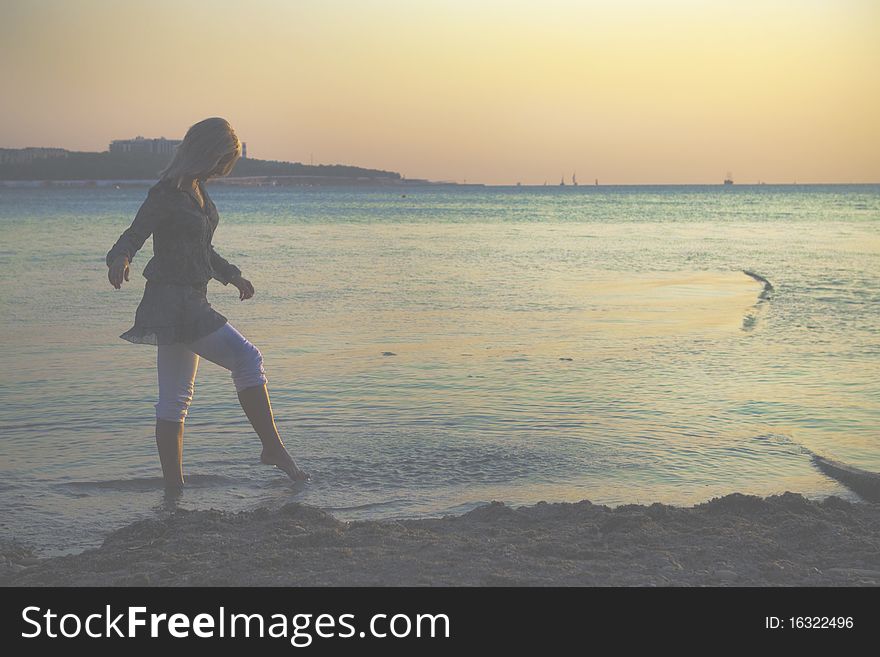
[203, 147]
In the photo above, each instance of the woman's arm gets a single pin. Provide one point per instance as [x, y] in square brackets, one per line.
[223, 270]
[133, 238]
[228, 273]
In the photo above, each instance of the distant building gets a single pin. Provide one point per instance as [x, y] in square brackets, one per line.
[142, 146]
[27, 155]
[160, 146]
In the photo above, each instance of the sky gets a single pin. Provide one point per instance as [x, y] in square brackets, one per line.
[624, 91]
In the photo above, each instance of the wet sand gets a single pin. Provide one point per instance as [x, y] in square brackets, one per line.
[729, 541]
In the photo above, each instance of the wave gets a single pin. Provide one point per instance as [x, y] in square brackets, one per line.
[768, 286]
[362, 507]
[751, 318]
[144, 484]
[863, 482]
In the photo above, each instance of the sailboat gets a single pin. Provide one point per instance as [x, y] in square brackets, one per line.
[562, 182]
[728, 180]
[574, 180]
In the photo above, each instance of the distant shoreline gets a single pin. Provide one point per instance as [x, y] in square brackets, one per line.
[336, 181]
[251, 181]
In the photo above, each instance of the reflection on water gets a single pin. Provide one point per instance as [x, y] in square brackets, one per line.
[432, 353]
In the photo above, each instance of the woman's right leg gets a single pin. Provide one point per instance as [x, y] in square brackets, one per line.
[176, 366]
[230, 349]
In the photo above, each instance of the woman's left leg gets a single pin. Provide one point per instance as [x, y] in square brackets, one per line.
[230, 349]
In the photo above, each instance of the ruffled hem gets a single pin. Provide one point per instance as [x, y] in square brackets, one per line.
[156, 335]
[170, 313]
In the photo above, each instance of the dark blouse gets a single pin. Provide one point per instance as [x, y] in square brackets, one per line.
[174, 307]
[182, 232]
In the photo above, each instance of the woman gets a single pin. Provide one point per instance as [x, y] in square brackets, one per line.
[174, 313]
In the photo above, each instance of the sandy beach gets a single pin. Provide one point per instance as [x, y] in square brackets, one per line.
[729, 541]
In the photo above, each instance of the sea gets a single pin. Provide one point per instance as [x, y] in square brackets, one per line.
[430, 349]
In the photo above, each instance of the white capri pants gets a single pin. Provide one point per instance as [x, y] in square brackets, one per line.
[178, 363]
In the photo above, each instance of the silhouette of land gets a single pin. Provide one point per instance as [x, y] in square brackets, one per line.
[62, 165]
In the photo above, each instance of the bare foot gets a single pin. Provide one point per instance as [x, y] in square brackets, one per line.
[284, 461]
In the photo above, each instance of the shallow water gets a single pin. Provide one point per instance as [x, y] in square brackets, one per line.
[548, 344]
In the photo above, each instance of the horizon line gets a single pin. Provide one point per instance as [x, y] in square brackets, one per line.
[415, 182]
[512, 184]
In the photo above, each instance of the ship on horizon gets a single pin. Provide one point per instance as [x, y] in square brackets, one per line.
[728, 179]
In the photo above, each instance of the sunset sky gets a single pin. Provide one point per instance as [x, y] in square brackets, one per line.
[626, 91]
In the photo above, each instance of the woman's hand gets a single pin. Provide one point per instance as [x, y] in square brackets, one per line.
[118, 271]
[245, 289]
